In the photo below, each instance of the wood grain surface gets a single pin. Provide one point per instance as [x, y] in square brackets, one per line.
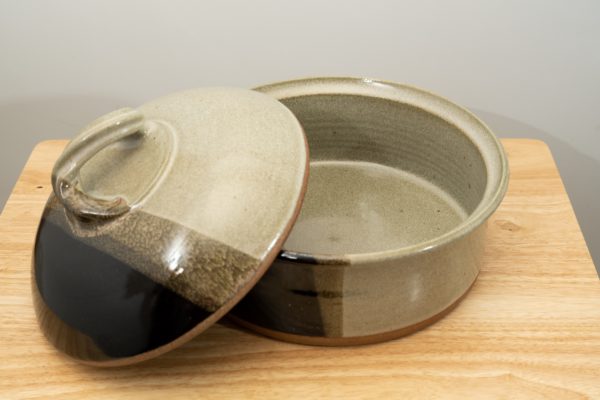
[529, 329]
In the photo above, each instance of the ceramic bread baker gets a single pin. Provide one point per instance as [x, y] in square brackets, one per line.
[162, 218]
[391, 233]
[165, 217]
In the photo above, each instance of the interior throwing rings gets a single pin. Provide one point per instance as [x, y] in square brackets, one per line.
[391, 233]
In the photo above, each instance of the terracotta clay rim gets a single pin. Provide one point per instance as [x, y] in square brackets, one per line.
[353, 340]
[223, 310]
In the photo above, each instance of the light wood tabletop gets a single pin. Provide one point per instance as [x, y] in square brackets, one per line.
[529, 329]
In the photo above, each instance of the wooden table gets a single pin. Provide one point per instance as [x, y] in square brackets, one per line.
[529, 329]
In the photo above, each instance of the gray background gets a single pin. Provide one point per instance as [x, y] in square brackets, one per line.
[527, 68]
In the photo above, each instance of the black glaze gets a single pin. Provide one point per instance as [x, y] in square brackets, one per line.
[324, 294]
[298, 257]
[285, 299]
[95, 307]
[286, 312]
[305, 258]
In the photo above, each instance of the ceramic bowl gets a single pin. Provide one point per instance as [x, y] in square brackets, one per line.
[391, 233]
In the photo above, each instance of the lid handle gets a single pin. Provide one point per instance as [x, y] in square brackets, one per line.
[99, 134]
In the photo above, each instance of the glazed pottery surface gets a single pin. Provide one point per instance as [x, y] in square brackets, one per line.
[391, 232]
[162, 218]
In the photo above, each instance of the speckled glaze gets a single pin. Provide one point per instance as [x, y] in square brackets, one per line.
[162, 219]
[391, 233]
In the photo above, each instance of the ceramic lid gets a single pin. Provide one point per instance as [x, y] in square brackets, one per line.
[162, 218]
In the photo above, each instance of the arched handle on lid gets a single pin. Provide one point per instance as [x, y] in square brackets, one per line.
[102, 132]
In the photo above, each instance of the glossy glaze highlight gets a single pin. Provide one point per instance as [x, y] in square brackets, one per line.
[162, 218]
[378, 254]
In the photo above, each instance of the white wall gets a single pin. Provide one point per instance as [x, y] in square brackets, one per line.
[528, 68]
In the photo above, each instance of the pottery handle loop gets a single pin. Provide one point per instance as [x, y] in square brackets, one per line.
[102, 132]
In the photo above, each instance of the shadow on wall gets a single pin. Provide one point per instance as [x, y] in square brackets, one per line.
[580, 174]
[27, 122]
